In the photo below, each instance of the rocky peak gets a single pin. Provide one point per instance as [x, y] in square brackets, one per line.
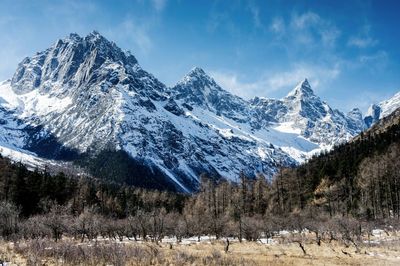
[355, 118]
[301, 91]
[108, 49]
[197, 78]
[382, 109]
[72, 61]
[197, 72]
[355, 113]
[195, 87]
[302, 101]
[73, 37]
[91, 97]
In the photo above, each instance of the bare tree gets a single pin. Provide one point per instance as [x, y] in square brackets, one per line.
[55, 220]
[8, 219]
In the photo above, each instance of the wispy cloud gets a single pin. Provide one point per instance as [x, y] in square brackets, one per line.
[362, 42]
[374, 63]
[221, 21]
[363, 39]
[231, 82]
[255, 13]
[132, 32]
[318, 75]
[305, 20]
[269, 83]
[159, 5]
[305, 30]
[277, 25]
[378, 56]
[311, 29]
[363, 100]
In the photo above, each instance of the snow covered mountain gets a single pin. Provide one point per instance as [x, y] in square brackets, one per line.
[85, 100]
[304, 113]
[198, 89]
[84, 96]
[381, 110]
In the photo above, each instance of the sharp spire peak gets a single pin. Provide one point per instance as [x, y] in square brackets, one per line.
[197, 71]
[92, 36]
[303, 89]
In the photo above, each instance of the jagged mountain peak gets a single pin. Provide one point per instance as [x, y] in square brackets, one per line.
[198, 76]
[196, 85]
[355, 119]
[355, 112]
[381, 110]
[73, 61]
[92, 36]
[197, 71]
[95, 34]
[82, 96]
[89, 96]
[95, 41]
[303, 111]
[304, 101]
[90, 41]
[302, 90]
[74, 36]
[197, 88]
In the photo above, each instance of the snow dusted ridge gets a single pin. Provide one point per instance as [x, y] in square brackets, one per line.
[84, 95]
[302, 112]
[381, 110]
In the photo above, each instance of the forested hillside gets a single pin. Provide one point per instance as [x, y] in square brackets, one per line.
[361, 178]
[356, 183]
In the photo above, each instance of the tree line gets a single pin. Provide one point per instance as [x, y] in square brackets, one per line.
[347, 191]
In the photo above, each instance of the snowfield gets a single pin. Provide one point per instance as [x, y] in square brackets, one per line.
[86, 94]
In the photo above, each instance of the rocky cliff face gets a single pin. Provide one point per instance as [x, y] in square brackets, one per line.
[382, 110]
[303, 112]
[86, 100]
[84, 96]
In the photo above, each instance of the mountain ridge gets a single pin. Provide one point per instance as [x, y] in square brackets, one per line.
[84, 96]
[381, 110]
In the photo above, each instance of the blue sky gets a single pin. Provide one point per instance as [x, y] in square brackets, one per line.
[349, 50]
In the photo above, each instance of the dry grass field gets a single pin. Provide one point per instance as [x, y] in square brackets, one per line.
[115, 252]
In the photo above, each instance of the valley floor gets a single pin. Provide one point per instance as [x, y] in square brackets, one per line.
[382, 251]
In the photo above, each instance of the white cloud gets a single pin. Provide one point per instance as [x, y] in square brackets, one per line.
[380, 56]
[363, 39]
[255, 12]
[305, 20]
[307, 29]
[230, 81]
[132, 32]
[363, 100]
[269, 83]
[361, 42]
[329, 35]
[277, 25]
[159, 5]
[318, 76]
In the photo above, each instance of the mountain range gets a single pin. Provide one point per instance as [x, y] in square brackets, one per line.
[87, 103]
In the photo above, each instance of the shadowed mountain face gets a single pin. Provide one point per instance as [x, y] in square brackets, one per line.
[84, 99]
[382, 110]
[314, 119]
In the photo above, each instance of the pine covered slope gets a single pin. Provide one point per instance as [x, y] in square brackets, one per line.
[361, 177]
